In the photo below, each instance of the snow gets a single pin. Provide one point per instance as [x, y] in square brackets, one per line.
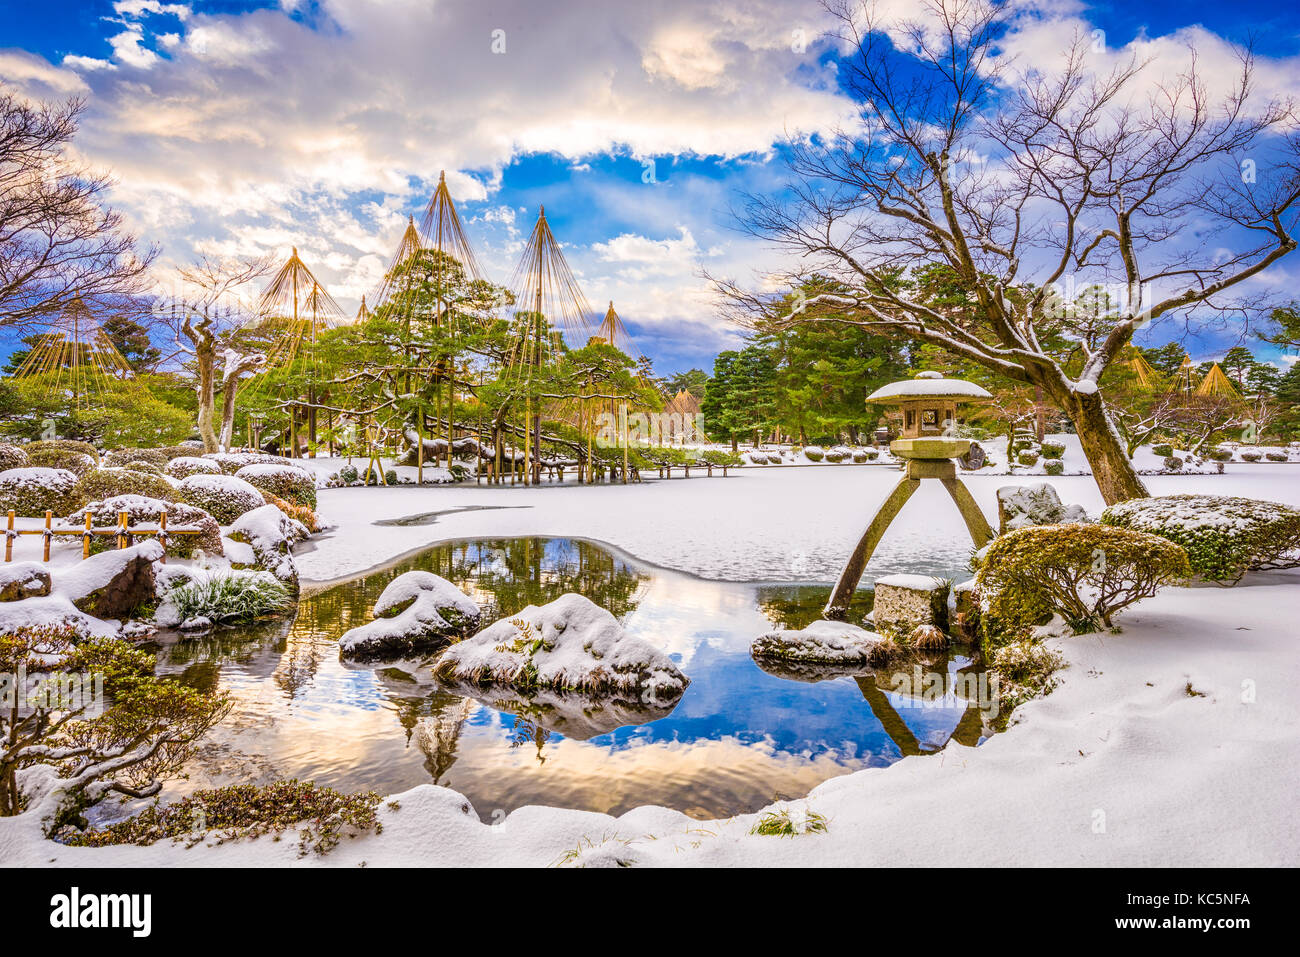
[416, 608]
[271, 535]
[1118, 766]
[912, 582]
[926, 387]
[1025, 505]
[567, 644]
[265, 470]
[80, 580]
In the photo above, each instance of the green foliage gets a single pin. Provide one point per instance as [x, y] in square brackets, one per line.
[230, 598]
[1027, 458]
[12, 457]
[223, 500]
[49, 455]
[783, 824]
[1163, 450]
[323, 816]
[1224, 537]
[1052, 450]
[1085, 573]
[1054, 467]
[105, 483]
[127, 414]
[1173, 463]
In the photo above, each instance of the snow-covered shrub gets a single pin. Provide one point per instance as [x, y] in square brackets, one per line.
[1054, 467]
[66, 445]
[51, 456]
[415, 611]
[12, 457]
[121, 458]
[224, 497]
[1163, 450]
[1251, 456]
[234, 597]
[1276, 456]
[106, 483]
[1224, 536]
[834, 455]
[348, 475]
[1085, 573]
[1027, 458]
[390, 476]
[182, 467]
[288, 482]
[146, 512]
[33, 490]
[1053, 450]
[1173, 464]
[1025, 669]
[232, 462]
[1220, 455]
[860, 456]
[814, 453]
[271, 535]
[143, 465]
[570, 644]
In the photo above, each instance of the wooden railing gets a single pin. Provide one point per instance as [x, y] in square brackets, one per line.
[123, 532]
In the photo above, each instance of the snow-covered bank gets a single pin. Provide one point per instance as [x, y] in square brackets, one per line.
[1172, 743]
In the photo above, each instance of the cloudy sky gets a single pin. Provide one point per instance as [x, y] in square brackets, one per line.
[242, 128]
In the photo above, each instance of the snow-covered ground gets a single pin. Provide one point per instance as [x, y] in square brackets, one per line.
[1172, 743]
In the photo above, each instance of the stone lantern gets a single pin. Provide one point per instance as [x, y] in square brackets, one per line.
[928, 404]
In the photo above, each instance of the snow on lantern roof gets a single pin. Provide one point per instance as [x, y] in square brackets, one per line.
[930, 385]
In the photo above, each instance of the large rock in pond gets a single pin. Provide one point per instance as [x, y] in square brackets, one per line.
[568, 645]
[822, 642]
[23, 580]
[1020, 506]
[416, 612]
[902, 602]
[270, 536]
[113, 584]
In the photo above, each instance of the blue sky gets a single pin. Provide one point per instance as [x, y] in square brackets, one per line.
[241, 128]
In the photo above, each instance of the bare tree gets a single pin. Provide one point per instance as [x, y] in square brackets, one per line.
[58, 241]
[1017, 186]
[202, 319]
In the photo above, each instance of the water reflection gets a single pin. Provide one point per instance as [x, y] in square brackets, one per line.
[741, 735]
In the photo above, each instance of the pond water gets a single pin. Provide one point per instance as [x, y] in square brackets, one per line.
[738, 738]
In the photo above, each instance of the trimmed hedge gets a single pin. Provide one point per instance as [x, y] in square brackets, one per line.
[146, 512]
[1173, 463]
[1224, 536]
[49, 456]
[32, 491]
[294, 485]
[1054, 467]
[1053, 450]
[1027, 458]
[814, 453]
[1163, 450]
[183, 466]
[1220, 455]
[1085, 573]
[224, 497]
[13, 457]
[66, 445]
[106, 483]
[232, 462]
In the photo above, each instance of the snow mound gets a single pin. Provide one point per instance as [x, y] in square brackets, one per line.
[183, 466]
[570, 644]
[224, 497]
[832, 642]
[416, 610]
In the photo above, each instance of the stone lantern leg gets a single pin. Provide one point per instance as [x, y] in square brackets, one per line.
[929, 407]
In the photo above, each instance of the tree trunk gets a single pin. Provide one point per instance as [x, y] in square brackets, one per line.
[206, 356]
[1111, 468]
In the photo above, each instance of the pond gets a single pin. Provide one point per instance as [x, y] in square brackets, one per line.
[738, 738]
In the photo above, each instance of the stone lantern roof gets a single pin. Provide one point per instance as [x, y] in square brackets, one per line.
[929, 385]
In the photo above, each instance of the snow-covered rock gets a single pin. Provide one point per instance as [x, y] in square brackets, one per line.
[570, 644]
[416, 611]
[831, 642]
[112, 584]
[21, 580]
[271, 535]
[1020, 506]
